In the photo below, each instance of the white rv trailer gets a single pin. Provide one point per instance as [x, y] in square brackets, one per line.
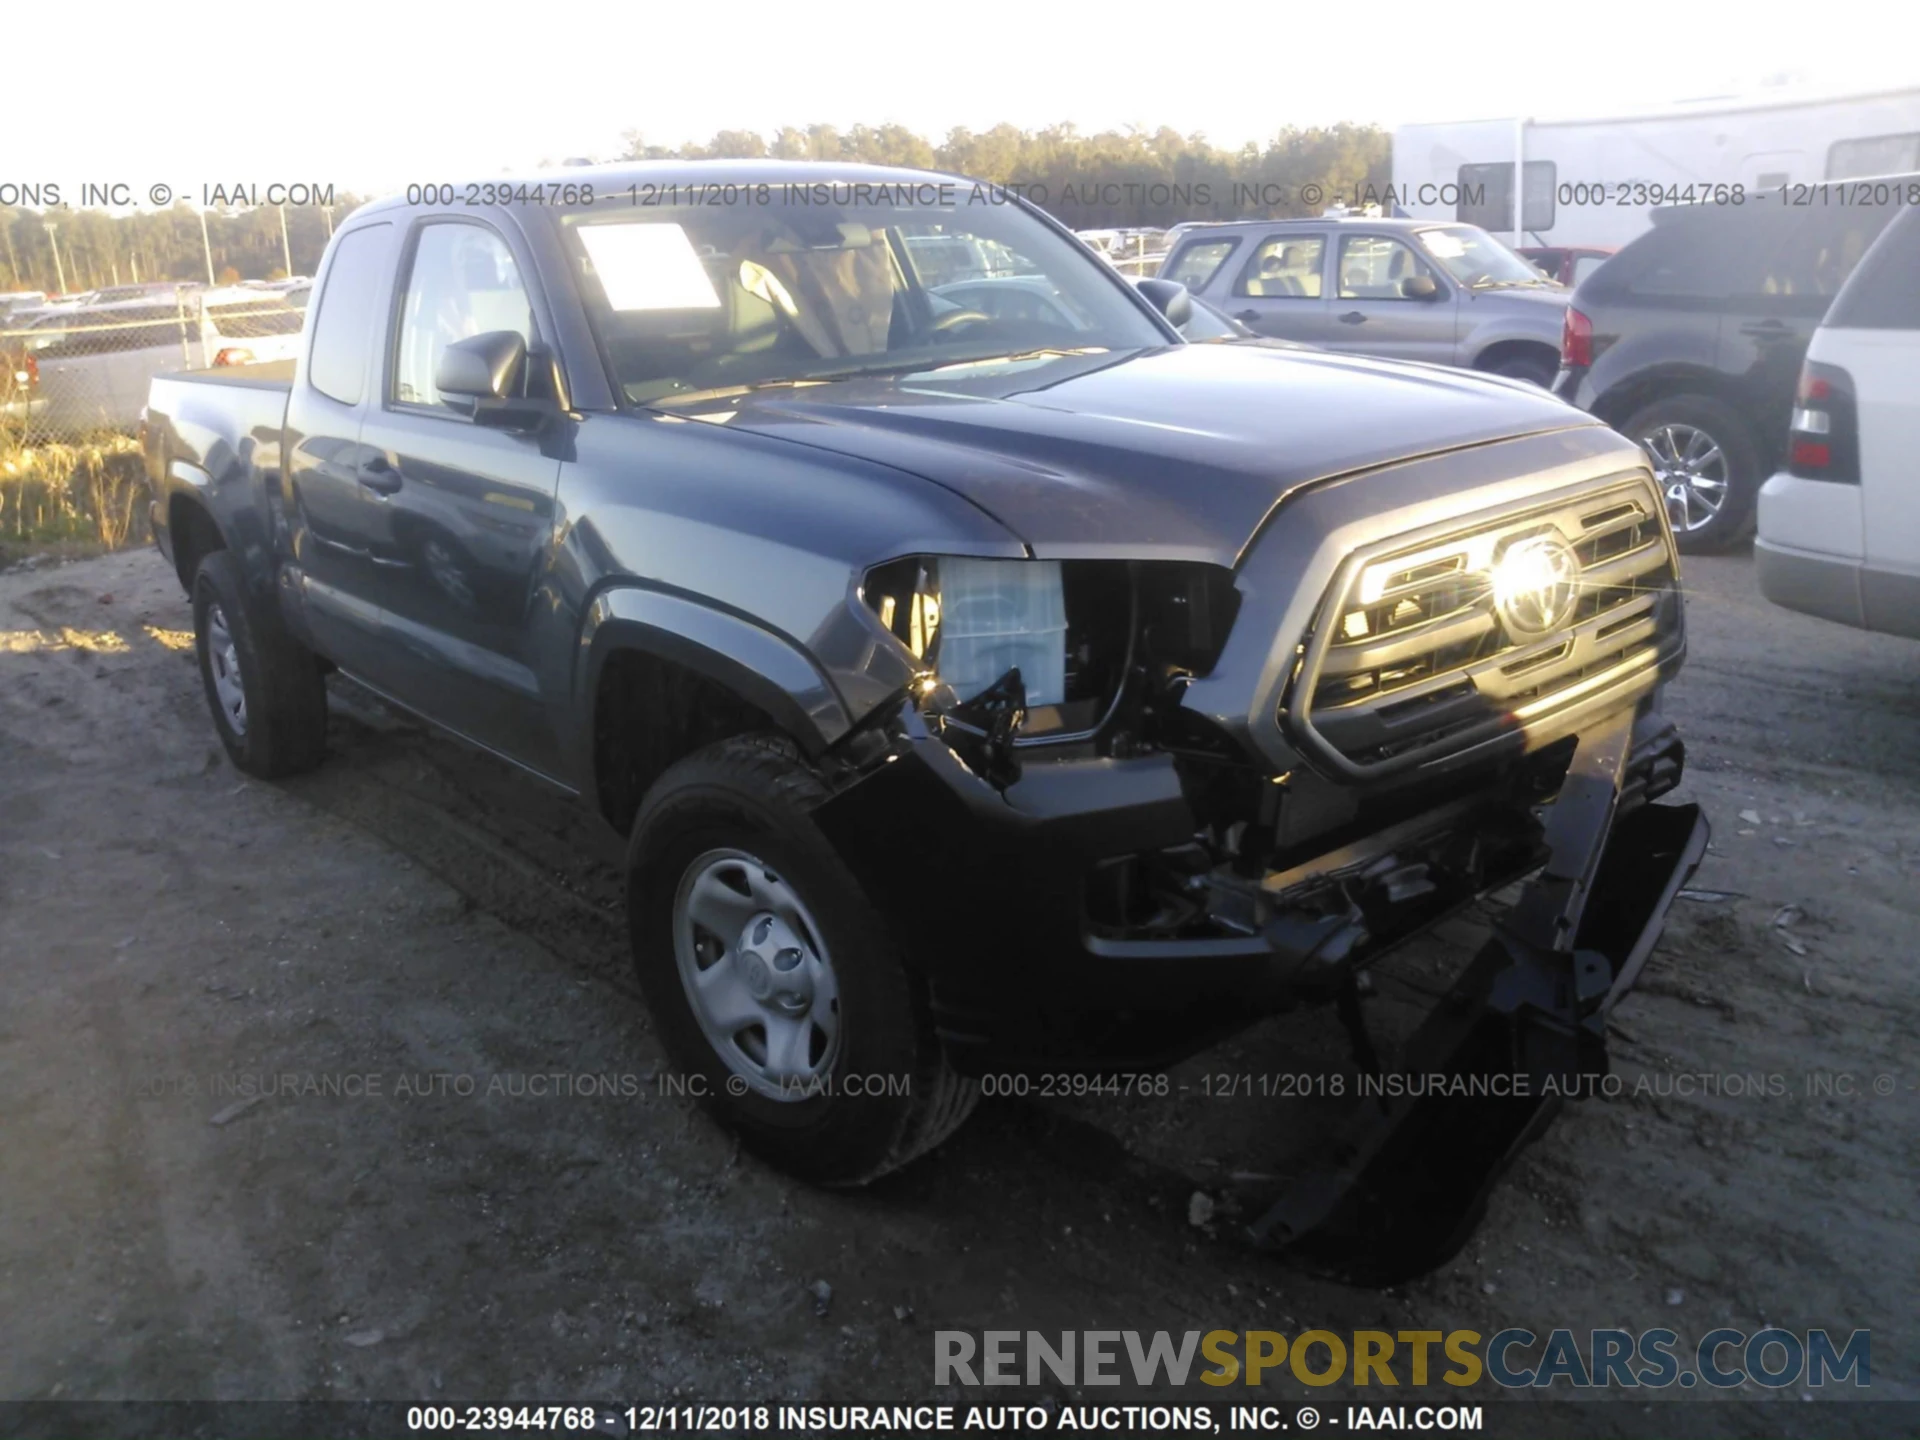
[1593, 181]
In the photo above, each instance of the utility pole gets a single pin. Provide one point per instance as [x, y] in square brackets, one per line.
[59, 270]
[207, 242]
[286, 246]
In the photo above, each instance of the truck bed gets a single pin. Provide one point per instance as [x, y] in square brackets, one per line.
[216, 433]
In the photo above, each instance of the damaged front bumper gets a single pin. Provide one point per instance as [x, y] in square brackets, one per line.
[1012, 900]
[1520, 1030]
[1075, 917]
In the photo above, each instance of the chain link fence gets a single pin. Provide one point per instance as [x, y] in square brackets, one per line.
[73, 387]
[75, 372]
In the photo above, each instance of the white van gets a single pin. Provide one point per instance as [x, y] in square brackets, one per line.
[1840, 526]
[94, 374]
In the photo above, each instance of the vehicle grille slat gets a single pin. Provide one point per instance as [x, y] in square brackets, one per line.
[1419, 653]
[1447, 631]
[1649, 558]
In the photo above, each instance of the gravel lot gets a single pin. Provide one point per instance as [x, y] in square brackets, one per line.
[419, 918]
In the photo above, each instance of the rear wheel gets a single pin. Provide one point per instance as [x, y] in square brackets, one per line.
[265, 689]
[772, 977]
[1707, 465]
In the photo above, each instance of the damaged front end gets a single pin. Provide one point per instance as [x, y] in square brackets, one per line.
[1098, 873]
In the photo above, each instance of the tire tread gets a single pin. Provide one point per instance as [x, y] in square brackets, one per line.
[768, 770]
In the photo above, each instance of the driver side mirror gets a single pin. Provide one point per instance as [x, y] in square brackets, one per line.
[1170, 298]
[489, 370]
[1419, 287]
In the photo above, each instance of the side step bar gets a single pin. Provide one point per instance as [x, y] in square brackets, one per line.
[1527, 1017]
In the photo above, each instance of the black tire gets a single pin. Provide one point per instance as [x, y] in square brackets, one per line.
[282, 729]
[753, 795]
[1733, 438]
[1534, 369]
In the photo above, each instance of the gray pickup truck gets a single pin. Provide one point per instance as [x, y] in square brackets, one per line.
[978, 691]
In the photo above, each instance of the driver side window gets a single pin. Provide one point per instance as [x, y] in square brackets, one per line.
[463, 282]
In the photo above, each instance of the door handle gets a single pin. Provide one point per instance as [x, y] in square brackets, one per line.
[1247, 315]
[1765, 328]
[1353, 317]
[379, 476]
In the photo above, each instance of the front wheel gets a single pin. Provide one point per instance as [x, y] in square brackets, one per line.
[772, 978]
[1707, 466]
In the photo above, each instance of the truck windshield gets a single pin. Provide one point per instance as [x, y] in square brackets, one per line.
[1476, 259]
[691, 299]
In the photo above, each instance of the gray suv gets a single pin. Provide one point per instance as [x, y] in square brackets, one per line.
[1408, 289]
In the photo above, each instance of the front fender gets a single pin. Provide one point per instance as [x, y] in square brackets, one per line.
[762, 667]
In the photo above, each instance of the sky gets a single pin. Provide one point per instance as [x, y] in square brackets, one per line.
[373, 97]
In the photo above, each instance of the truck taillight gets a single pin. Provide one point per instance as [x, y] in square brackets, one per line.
[234, 355]
[1823, 440]
[1576, 340]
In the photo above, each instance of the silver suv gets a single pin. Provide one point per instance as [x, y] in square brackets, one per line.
[1409, 289]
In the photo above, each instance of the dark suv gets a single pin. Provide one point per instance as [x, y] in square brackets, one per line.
[1690, 339]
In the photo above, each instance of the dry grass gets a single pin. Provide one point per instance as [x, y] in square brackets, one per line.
[73, 498]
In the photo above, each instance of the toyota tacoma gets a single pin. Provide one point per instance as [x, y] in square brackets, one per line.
[982, 680]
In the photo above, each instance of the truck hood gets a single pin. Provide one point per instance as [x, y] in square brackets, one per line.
[1173, 453]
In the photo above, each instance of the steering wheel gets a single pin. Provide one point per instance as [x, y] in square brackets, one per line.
[954, 319]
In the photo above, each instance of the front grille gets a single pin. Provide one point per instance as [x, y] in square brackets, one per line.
[1419, 651]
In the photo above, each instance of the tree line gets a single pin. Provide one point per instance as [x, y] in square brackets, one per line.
[1132, 177]
[1112, 178]
[96, 248]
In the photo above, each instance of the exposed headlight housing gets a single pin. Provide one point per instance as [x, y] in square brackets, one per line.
[973, 620]
[1084, 634]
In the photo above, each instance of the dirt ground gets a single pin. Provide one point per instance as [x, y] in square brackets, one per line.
[421, 920]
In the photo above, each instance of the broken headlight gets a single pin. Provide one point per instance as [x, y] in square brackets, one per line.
[974, 620]
[1076, 630]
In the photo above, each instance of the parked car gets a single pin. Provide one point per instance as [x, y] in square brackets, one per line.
[976, 692]
[942, 259]
[94, 369]
[1690, 342]
[1140, 267]
[1450, 294]
[1567, 264]
[28, 333]
[1840, 524]
[15, 301]
[1011, 299]
[143, 290]
[1207, 324]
